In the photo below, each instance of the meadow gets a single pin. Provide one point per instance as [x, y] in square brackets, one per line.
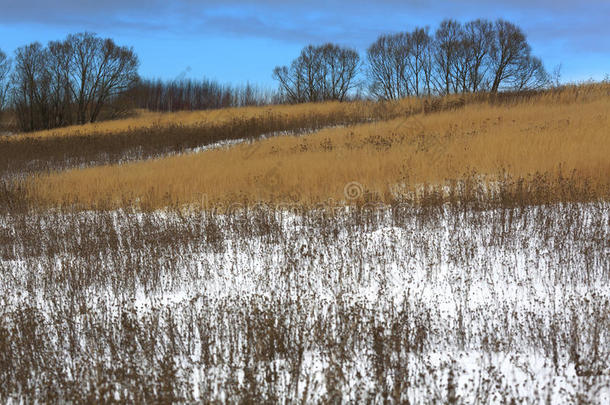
[157, 134]
[442, 250]
[564, 145]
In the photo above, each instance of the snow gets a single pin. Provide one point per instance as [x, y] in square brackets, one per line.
[478, 283]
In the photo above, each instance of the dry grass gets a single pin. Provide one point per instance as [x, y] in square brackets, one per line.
[421, 303]
[387, 158]
[118, 307]
[146, 119]
[157, 135]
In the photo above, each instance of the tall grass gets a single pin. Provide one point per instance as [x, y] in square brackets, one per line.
[468, 301]
[154, 135]
[146, 119]
[541, 142]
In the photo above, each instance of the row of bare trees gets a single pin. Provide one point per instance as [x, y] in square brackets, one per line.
[189, 94]
[84, 78]
[325, 72]
[74, 80]
[5, 68]
[66, 82]
[479, 55]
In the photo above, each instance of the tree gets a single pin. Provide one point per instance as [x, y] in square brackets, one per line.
[99, 70]
[418, 51]
[300, 81]
[5, 69]
[448, 39]
[339, 68]
[531, 75]
[387, 60]
[478, 36]
[189, 94]
[555, 77]
[30, 89]
[509, 53]
[457, 58]
[59, 56]
[320, 73]
[309, 71]
[69, 81]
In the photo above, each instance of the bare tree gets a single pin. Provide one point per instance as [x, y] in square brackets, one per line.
[289, 83]
[476, 56]
[464, 59]
[189, 94]
[387, 66]
[478, 36]
[69, 81]
[531, 75]
[309, 68]
[509, 50]
[428, 65]
[5, 69]
[417, 59]
[448, 39]
[320, 73]
[472, 56]
[30, 90]
[301, 81]
[59, 56]
[339, 68]
[99, 70]
[555, 77]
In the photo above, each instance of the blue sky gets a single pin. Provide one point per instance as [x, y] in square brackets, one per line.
[235, 41]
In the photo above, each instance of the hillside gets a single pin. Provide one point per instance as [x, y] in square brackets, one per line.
[547, 147]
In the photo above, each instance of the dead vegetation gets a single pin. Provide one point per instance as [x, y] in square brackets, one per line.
[402, 305]
[533, 144]
[454, 256]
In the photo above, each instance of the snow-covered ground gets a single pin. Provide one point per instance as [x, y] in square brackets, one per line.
[425, 305]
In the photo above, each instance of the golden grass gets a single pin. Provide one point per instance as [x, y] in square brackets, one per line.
[147, 119]
[387, 158]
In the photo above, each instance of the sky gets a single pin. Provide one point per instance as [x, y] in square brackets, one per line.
[239, 41]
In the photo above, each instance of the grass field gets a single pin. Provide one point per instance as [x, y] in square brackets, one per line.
[153, 135]
[513, 145]
[429, 251]
[143, 119]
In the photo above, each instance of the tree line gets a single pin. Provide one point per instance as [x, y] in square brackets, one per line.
[84, 77]
[325, 72]
[189, 94]
[479, 55]
[66, 82]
